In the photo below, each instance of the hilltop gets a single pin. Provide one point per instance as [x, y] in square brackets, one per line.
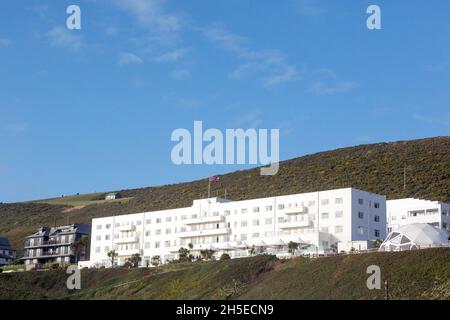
[421, 274]
[376, 167]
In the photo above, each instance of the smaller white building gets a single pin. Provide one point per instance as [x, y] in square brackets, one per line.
[402, 212]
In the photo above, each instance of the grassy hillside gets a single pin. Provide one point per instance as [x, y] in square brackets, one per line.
[423, 274]
[377, 168]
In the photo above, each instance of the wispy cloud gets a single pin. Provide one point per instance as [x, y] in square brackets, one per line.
[153, 16]
[64, 38]
[173, 55]
[308, 7]
[127, 58]
[111, 31]
[180, 74]
[270, 65]
[322, 88]
[15, 128]
[4, 42]
[439, 67]
[442, 120]
[251, 119]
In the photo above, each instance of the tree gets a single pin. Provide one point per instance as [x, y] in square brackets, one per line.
[190, 246]
[135, 259]
[156, 261]
[79, 247]
[292, 247]
[207, 254]
[183, 255]
[112, 256]
[225, 256]
[252, 250]
[334, 248]
[128, 265]
[377, 243]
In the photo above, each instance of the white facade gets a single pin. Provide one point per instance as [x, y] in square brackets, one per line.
[316, 220]
[401, 212]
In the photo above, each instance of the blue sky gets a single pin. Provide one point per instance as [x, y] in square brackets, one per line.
[93, 109]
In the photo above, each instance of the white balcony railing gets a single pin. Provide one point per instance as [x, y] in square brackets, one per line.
[125, 228]
[294, 224]
[209, 219]
[201, 233]
[126, 240]
[294, 210]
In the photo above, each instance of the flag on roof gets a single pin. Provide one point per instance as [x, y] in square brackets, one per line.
[214, 178]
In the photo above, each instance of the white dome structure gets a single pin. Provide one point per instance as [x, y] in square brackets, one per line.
[415, 236]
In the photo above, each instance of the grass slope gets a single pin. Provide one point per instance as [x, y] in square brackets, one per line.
[377, 168]
[423, 274]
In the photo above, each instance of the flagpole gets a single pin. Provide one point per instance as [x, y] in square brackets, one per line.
[209, 187]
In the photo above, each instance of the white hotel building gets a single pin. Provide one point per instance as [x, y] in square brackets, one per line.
[316, 220]
[410, 210]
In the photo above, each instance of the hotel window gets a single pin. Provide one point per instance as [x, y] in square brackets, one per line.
[243, 237]
[393, 218]
[243, 211]
[338, 229]
[158, 232]
[98, 249]
[227, 212]
[324, 229]
[116, 236]
[167, 244]
[256, 209]
[255, 235]
[147, 233]
[268, 208]
[360, 201]
[215, 213]
[183, 217]
[98, 238]
[256, 222]
[168, 231]
[324, 202]
[243, 223]
[311, 203]
[106, 249]
[269, 221]
[377, 233]
[99, 227]
[157, 245]
[376, 218]
[108, 226]
[268, 233]
[338, 201]
[324, 215]
[117, 225]
[168, 219]
[361, 215]
[148, 221]
[107, 237]
[158, 220]
[147, 245]
[360, 230]
[138, 223]
[280, 219]
[280, 206]
[376, 205]
[339, 214]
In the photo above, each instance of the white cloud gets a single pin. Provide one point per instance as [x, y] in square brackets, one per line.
[151, 14]
[64, 38]
[180, 74]
[4, 42]
[173, 55]
[322, 88]
[15, 128]
[308, 7]
[126, 58]
[111, 31]
[289, 74]
[270, 65]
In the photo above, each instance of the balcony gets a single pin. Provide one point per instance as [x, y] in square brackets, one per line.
[209, 219]
[125, 228]
[204, 233]
[294, 224]
[126, 240]
[48, 243]
[294, 210]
